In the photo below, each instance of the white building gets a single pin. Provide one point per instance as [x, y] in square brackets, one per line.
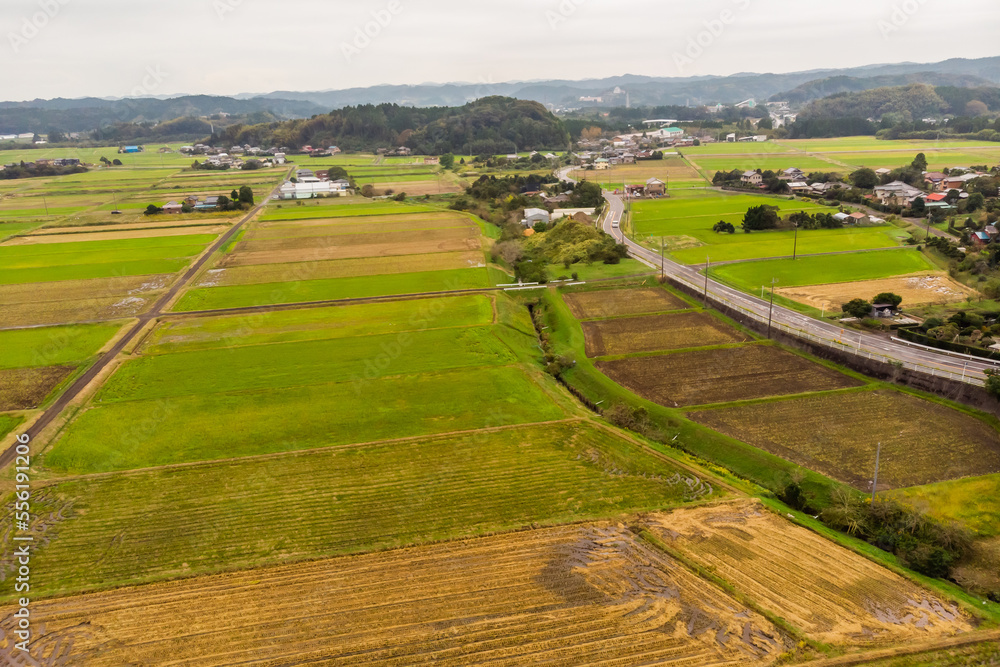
[279, 158]
[533, 215]
[308, 188]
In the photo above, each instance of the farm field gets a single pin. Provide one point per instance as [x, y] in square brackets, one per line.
[52, 346]
[656, 333]
[832, 594]
[916, 290]
[26, 388]
[722, 375]
[342, 207]
[619, 302]
[570, 596]
[686, 223]
[345, 257]
[127, 528]
[709, 164]
[672, 170]
[823, 270]
[922, 441]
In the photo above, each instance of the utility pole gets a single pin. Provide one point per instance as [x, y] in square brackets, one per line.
[770, 310]
[795, 245]
[708, 267]
[46, 202]
[878, 454]
[662, 272]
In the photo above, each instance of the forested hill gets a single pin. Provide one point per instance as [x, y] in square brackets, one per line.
[917, 100]
[490, 125]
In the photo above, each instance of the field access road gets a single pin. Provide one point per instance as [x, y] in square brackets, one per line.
[828, 332]
[54, 410]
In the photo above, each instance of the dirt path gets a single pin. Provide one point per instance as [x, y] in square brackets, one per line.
[54, 410]
[910, 649]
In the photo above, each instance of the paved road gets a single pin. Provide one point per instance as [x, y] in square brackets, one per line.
[863, 342]
[81, 382]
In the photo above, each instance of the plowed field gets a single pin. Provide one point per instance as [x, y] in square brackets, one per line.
[618, 302]
[660, 332]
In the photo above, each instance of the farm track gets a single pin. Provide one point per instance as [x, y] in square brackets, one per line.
[74, 390]
[908, 650]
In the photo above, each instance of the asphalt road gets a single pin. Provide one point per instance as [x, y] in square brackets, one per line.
[829, 332]
[81, 382]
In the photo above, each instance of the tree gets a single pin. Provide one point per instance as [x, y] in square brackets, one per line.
[866, 179]
[117, 162]
[234, 195]
[107, 162]
[993, 382]
[765, 123]
[245, 195]
[919, 206]
[723, 227]
[974, 108]
[591, 133]
[888, 297]
[400, 197]
[920, 162]
[447, 161]
[153, 209]
[952, 196]
[760, 217]
[223, 204]
[976, 201]
[54, 136]
[858, 308]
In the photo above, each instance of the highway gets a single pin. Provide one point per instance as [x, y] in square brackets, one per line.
[934, 362]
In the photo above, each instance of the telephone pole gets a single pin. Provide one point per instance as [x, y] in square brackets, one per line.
[795, 245]
[770, 310]
[878, 454]
[662, 272]
[708, 267]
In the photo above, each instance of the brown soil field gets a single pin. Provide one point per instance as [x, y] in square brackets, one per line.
[342, 268]
[656, 333]
[576, 595]
[70, 311]
[31, 304]
[171, 221]
[722, 375]
[417, 188]
[837, 435]
[829, 592]
[25, 388]
[114, 235]
[916, 289]
[353, 251]
[671, 167]
[618, 302]
[82, 289]
[375, 224]
[341, 240]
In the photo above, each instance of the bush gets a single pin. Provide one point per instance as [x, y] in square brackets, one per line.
[633, 419]
[858, 308]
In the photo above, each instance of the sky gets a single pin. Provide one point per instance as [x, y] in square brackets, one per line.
[131, 48]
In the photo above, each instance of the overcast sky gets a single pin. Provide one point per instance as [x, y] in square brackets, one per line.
[76, 48]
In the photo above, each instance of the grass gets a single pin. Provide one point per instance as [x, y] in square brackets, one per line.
[292, 212]
[142, 267]
[159, 524]
[139, 434]
[973, 502]
[183, 335]
[298, 364]
[818, 270]
[599, 271]
[52, 346]
[8, 423]
[236, 296]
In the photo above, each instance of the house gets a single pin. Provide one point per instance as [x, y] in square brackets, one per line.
[958, 182]
[752, 177]
[534, 215]
[731, 137]
[798, 186]
[311, 187]
[860, 218]
[823, 188]
[655, 188]
[883, 310]
[792, 174]
[936, 196]
[628, 158]
[172, 207]
[897, 193]
[210, 204]
[402, 150]
[279, 158]
[991, 231]
[884, 171]
[979, 239]
[130, 149]
[935, 178]
[602, 163]
[432, 160]
[842, 218]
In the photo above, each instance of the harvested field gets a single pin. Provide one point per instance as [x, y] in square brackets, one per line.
[78, 290]
[722, 375]
[309, 249]
[156, 524]
[618, 302]
[70, 311]
[31, 304]
[335, 226]
[342, 268]
[836, 435]
[831, 593]
[134, 226]
[576, 595]
[25, 388]
[916, 289]
[418, 188]
[42, 239]
[251, 246]
[659, 332]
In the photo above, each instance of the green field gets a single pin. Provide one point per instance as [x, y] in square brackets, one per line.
[292, 212]
[236, 296]
[8, 423]
[686, 223]
[158, 524]
[973, 502]
[283, 326]
[820, 270]
[52, 346]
